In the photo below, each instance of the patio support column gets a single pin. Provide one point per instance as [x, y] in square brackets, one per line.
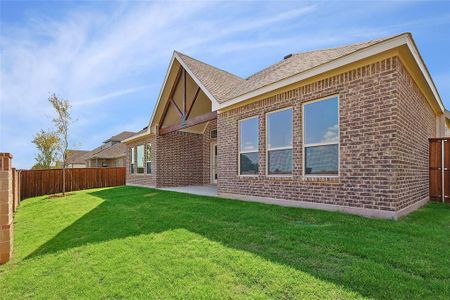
[6, 208]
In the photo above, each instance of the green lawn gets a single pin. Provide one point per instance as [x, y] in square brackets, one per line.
[130, 242]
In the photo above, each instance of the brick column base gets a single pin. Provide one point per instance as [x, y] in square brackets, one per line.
[6, 208]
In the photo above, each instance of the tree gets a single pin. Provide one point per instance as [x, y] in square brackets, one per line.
[47, 142]
[62, 122]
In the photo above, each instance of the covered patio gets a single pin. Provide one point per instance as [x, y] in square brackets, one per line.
[185, 129]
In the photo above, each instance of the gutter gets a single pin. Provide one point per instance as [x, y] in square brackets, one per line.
[137, 136]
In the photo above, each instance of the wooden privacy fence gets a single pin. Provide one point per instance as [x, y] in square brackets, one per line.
[45, 182]
[440, 169]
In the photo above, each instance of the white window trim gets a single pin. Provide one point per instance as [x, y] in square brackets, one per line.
[146, 158]
[279, 148]
[243, 152]
[133, 158]
[338, 143]
[143, 157]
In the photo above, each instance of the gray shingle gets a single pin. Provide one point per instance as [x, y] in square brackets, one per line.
[218, 82]
[225, 86]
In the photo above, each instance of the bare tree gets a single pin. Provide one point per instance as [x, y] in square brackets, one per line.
[62, 122]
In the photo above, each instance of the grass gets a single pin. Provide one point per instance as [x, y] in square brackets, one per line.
[130, 242]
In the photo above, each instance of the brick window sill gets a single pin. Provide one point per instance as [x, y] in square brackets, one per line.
[326, 179]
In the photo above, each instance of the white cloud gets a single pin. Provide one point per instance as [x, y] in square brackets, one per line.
[331, 135]
[108, 96]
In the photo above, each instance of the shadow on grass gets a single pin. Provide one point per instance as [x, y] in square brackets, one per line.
[376, 258]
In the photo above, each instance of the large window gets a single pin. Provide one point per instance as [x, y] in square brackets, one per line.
[140, 159]
[248, 146]
[149, 158]
[321, 137]
[132, 160]
[279, 142]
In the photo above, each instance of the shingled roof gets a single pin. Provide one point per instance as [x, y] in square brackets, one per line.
[225, 89]
[113, 151]
[76, 156]
[225, 86]
[121, 136]
[218, 82]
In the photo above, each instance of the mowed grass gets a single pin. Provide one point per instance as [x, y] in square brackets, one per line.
[130, 242]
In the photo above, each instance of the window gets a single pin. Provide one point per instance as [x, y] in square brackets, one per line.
[132, 160]
[140, 159]
[279, 142]
[213, 134]
[321, 137]
[248, 146]
[148, 155]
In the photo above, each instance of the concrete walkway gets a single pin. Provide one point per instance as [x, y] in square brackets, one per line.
[204, 190]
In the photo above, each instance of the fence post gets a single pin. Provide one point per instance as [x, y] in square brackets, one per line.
[14, 188]
[6, 208]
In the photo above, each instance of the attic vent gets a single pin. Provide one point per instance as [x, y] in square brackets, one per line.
[287, 56]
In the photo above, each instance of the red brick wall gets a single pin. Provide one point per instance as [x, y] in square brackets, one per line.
[369, 137]
[6, 208]
[415, 123]
[142, 179]
[180, 159]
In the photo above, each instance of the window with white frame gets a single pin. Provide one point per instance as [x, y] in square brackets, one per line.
[148, 155]
[279, 142]
[132, 160]
[321, 137]
[248, 146]
[140, 159]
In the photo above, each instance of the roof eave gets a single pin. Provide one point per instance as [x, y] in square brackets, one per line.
[137, 136]
[394, 42]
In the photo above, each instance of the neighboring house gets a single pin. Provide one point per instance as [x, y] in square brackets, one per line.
[76, 158]
[339, 129]
[112, 153]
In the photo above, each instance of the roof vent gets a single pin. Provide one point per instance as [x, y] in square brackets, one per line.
[287, 56]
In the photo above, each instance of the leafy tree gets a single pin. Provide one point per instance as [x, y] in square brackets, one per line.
[62, 123]
[47, 143]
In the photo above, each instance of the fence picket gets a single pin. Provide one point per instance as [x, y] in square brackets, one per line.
[34, 183]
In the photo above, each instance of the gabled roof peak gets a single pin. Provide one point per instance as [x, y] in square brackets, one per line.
[215, 82]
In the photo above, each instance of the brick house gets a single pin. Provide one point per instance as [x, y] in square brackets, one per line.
[111, 153]
[337, 129]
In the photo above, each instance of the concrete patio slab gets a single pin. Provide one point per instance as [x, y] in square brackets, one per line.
[204, 190]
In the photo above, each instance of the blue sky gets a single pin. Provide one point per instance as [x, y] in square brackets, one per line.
[109, 58]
